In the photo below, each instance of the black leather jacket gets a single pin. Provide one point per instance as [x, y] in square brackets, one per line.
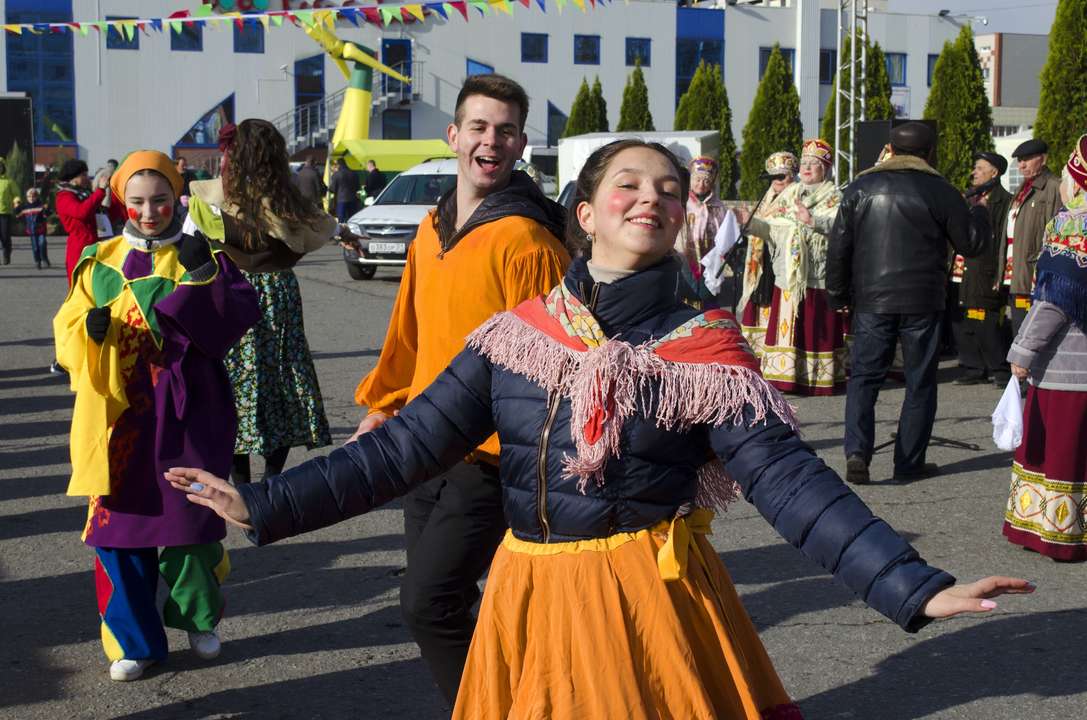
[888, 249]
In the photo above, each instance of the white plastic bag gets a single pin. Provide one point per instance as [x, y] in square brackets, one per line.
[1008, 418]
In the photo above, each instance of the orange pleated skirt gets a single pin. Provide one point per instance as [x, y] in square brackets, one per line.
[590, 630]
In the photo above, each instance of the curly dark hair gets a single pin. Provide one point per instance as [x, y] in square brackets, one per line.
[258, 170]
[591, 175]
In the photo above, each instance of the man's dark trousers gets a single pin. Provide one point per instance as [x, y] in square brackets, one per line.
[874, 336]
[5, 236]
[452, 525]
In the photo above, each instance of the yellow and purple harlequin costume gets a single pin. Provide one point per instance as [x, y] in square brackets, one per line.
[154, 394]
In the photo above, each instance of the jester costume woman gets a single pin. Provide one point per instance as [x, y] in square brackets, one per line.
[151, 394]
[1047, 504]
[626, 418]
[805, 351]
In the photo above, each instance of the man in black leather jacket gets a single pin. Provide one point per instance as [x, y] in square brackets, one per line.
[887, 264]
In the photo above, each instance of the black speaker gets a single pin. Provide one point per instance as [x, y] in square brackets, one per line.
[872, 135]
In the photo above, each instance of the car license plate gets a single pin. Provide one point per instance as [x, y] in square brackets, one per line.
[376, 247]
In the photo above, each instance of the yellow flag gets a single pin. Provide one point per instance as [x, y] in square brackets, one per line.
[416, 11]
[580, 4]
[503, 5]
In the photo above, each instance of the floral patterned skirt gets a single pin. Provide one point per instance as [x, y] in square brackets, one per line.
[275, 385]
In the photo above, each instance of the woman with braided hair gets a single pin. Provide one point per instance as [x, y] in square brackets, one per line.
[265, 225]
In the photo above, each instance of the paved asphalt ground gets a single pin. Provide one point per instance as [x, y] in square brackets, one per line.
[313, 628]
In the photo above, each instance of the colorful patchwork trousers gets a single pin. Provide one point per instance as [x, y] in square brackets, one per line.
[126, 580]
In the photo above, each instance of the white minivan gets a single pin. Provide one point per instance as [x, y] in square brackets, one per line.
[388, 226]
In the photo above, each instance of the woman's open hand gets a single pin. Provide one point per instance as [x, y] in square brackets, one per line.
[974, 597]
[203, 488]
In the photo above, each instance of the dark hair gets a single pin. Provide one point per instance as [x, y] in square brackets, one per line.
[258, 172]
[71, 169]
[112, 161]
[497, 87]
[591, 175]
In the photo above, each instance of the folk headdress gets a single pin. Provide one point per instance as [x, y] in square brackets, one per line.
[704, 164]
[818, 149]
[1062, 264]
[781, 163]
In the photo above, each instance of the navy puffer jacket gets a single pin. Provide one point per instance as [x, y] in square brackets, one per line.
[653, 477]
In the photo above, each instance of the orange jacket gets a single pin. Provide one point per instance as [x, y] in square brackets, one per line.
[442, 299]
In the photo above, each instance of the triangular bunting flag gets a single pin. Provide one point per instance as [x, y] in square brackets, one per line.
[157, 24]
[438, 8]
[277, 20]
[480, 5]
[175, 25]
[526, 3]
[416, 11]
[543, 7]
[372, 15]
[264, 21]
[203, 11]
[83, 29]
[130, 30]
[16, 29]
[387, 15]
[461, 7]
[351, 15]
[503, 5]
[306, 16]
[560, 4]
[580, 4]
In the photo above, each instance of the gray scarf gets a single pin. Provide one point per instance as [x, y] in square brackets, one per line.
[149, 243]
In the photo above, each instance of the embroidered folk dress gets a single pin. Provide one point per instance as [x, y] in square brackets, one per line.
[1047, 503]
[805, 350]
[755, 316]
[154, 394]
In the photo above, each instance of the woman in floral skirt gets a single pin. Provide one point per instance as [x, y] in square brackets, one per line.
[266, 226]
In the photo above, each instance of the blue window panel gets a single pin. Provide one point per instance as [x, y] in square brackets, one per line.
[115, 36]
[533, 47]
[42, 66]
[828, 66]
[638, 51]
[205, 131]
[190, 39]
[787, 54]
[556, 123]
[896, 68]
[396, 124]
[586, 49]
[932, 67]
[477, 68]
[249, 38]
[396, 53]
[700, 36]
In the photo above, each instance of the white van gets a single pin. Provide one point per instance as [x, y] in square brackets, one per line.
[388, 226]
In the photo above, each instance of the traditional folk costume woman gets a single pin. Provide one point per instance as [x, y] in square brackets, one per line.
[143, 332]
[705, 213]
[1047, 505]
[624, 415]
[758, 281]
[276, 392]
[805, 351]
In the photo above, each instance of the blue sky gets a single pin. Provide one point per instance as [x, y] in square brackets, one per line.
[1025, 16]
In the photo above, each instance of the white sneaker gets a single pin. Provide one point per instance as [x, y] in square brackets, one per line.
[125, 670]
[206, 645]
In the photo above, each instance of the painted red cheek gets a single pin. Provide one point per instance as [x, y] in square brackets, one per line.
[617, 201]
[133, 214]
[166, 211]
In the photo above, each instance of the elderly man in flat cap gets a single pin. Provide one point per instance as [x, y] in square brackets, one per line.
[1036, 202]
[982, 338]
[887, 263]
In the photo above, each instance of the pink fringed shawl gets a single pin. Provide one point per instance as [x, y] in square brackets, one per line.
[702, 372]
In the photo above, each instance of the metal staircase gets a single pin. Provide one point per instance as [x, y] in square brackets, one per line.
[313, 124]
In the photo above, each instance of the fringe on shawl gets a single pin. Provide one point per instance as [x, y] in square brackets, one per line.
[621, 379]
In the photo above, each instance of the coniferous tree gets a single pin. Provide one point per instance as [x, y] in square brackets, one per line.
[634, 115]
[600, 108]
[1062, 108]
[959, 105]
[581, 113]
[877, 97]
[705, 107]
[772, 125]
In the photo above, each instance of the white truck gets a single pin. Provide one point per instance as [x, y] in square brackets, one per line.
[574, 151]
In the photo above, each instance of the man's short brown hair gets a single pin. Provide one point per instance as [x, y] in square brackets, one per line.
[498, 87]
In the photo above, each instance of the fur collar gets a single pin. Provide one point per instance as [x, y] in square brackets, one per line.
[898, 163]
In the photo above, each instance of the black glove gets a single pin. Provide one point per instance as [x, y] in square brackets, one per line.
[193, 251]
[98, 324]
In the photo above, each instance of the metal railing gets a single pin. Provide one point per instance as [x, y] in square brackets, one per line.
[313, 124]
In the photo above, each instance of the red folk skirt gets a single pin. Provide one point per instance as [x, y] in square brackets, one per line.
[805, 355]
[1047, 505]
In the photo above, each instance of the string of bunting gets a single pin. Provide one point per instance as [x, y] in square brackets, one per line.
[382, 15]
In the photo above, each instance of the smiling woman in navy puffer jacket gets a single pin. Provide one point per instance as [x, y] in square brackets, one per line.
[624, 415]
